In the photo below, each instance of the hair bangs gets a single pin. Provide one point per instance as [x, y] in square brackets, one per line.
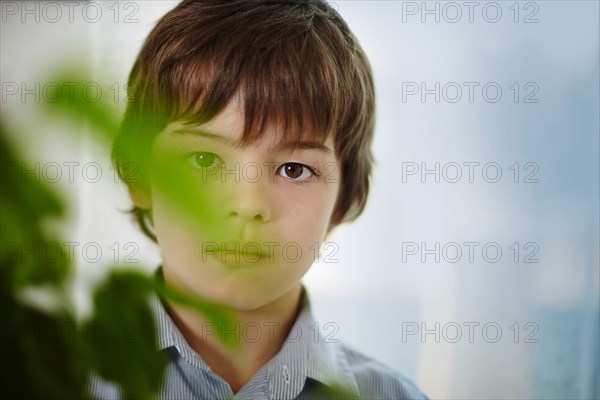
[288, 85]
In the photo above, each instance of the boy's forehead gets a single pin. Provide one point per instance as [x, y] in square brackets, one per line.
[229, 122]
[228, 126]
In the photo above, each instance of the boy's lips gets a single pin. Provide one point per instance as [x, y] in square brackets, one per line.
[248, 250]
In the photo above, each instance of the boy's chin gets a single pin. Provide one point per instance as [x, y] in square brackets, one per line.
[242, 300]
[243, 303]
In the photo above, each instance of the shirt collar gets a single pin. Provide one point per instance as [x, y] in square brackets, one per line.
[306, 353]
[168, 335]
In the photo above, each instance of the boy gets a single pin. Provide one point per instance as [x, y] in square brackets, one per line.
[251, 124]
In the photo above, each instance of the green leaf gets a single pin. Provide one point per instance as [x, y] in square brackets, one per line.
[77, 105]
[120, 338]
[40, 357]
[27, 257]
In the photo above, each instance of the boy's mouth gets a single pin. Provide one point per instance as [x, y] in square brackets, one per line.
[237, 251]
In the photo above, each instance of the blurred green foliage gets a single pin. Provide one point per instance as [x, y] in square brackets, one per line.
[49, 354]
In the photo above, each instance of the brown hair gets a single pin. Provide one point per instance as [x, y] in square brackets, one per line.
[296, 64]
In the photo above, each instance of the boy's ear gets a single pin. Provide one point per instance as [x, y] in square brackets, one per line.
[140, 196]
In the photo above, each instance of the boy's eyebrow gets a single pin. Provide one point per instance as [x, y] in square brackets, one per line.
[304, 145]
[289, 146]
[204, 134]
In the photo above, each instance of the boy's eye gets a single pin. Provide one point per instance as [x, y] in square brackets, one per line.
[295, 172]
[205, 160]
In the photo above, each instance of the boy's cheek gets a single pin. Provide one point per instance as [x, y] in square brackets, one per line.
[195, 212]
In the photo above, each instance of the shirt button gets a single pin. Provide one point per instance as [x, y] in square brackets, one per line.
[286, 374]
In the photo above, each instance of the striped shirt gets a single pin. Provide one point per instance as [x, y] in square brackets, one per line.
[308, 366]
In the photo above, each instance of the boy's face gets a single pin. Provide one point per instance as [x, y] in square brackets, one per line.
[238, 226]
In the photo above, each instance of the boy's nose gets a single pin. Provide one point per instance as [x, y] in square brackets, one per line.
[249, 201]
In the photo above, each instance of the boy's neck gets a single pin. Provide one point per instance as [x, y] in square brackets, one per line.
[238, 364]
